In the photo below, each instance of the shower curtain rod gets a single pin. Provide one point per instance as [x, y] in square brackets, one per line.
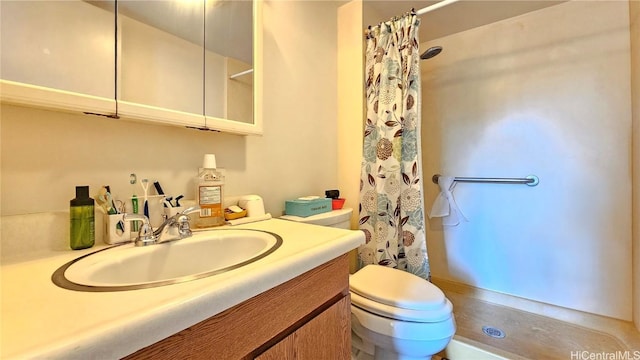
[422, 11]
[435, 6]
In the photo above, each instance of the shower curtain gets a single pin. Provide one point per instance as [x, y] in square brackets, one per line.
[391, 201]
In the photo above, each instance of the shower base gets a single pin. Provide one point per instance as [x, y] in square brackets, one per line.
[528, 335]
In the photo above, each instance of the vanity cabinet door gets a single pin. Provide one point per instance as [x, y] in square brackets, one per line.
[58, 54]
[326, 336]
[316, 304]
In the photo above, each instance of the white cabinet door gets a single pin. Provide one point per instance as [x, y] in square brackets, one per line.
[58, 54]
[161, 61]
[233, 34]
[229, 59]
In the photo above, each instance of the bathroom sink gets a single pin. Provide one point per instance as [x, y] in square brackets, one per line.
[126, 267]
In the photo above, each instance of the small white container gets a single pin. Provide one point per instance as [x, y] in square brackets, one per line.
[115, 235]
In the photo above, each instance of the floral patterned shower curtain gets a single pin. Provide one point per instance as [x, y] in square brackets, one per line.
[391, 201]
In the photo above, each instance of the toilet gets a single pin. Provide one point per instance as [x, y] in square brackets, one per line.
[395, 315]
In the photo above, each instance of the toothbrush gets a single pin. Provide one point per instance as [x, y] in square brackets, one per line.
[156, 184]
[133, 179]
[110, 198]
[101, 199]
[112, 203]
[145, 187]
[178, 200]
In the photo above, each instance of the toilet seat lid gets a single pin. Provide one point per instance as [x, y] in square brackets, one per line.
[396, 288]
[444, 313]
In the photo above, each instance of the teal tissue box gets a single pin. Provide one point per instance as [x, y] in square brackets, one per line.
[304, 208]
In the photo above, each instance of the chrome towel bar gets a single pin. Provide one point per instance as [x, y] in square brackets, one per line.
[530, 180]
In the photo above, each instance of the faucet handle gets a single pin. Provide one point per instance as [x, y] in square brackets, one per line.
[184, 228]
[145, 235]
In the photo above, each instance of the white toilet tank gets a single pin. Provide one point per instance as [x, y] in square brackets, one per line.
[335, 218]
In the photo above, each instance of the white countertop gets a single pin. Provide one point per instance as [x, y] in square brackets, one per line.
[41, 320]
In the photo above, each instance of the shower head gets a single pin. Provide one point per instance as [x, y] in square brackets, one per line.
[431, 52]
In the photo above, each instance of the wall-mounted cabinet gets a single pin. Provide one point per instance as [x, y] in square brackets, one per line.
[58, 54]
[169, 62]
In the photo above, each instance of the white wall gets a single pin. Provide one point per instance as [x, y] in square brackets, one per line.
[634, 12]
[546, 93]
[46, 154]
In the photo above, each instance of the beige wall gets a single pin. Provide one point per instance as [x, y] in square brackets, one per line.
[46, 154]
[634, 12]
[546, 93]
[353, 18]
[350, 108]
[350, 100]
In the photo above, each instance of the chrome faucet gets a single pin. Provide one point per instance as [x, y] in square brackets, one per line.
[175, 227]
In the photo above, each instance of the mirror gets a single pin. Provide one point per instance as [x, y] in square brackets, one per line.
[60, 45]
[160, 59]
[229, 60]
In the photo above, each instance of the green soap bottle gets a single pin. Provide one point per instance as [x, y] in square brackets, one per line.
[82, 216]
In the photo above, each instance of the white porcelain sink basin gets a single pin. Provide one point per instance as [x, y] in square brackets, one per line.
[127, 267]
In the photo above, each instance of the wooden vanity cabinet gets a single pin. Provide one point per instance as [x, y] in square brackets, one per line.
[323, 337]
[305, 318]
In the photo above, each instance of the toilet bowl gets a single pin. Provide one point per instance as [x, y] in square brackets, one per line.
[395, 315]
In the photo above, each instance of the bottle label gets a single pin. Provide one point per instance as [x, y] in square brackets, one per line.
[82, 231]
[210, 201]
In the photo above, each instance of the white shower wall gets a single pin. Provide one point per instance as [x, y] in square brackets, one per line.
[546, 93]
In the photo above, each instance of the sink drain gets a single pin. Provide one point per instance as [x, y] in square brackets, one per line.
[494, 332]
